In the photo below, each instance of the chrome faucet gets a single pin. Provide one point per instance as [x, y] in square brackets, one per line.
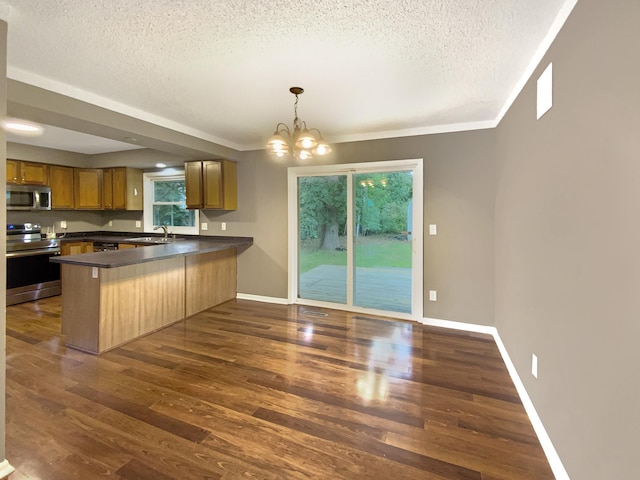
[165, 229]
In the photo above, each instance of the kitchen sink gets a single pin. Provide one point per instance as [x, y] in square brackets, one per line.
[153, 239]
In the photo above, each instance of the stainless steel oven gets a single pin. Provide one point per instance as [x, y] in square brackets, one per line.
[30, 275]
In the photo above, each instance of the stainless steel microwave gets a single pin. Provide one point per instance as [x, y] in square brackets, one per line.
[28, 197]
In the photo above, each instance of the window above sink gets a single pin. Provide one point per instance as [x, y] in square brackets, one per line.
[165, 204]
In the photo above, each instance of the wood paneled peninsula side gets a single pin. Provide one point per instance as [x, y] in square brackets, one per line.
[110, 298]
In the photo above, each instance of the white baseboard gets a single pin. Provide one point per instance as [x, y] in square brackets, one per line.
[260, 298]
[547, 445]
[469, 327]
[545, 441]
[6, 469]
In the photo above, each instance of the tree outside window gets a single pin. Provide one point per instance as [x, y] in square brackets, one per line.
[169, 206]
[165, 204]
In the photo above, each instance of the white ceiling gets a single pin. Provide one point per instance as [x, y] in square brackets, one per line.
[63, 139]
[221, 69]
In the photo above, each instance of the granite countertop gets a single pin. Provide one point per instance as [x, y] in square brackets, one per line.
[181, 246]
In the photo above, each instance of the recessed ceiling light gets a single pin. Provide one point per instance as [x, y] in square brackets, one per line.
[160, 165]
[21, 127]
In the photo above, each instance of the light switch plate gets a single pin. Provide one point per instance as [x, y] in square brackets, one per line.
[433, 296]
[223, 226]
[111, 223]
[94, 272]
[534, 365]
[204, 226]
[63, 224]
[138, 223]
[433, 229]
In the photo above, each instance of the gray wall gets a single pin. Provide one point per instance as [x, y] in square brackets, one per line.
[459, 198]
[29, 153]
[567, 241]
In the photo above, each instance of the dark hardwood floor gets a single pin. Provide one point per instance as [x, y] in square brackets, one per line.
[249, 390]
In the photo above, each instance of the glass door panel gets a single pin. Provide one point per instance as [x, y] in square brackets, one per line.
[383, 204]
[322, 249]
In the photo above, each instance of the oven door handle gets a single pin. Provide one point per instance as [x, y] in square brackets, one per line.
[29, 253]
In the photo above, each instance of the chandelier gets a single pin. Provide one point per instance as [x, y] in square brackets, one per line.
[301, 143]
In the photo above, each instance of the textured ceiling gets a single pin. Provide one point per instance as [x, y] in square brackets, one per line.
[221, 70]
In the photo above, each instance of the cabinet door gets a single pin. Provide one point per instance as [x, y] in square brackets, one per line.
[76, 248]
[88, 188]
[220, 184]
[120, 188]
[61, 187]
[229, 185]
[87, 247]
[13, 171]
[212, 184]
[134, 194]
[193, 184]
[34, 173]
[107, 188]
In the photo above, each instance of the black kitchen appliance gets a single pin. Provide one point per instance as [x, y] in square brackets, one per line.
[30, 275]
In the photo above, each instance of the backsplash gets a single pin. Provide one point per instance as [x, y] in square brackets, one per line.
[79, 221]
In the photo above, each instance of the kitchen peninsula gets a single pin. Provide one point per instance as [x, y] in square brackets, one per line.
[112, 297]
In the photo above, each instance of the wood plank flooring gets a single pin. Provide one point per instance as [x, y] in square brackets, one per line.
[252, 390]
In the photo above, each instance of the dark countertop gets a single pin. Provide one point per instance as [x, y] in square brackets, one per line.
[119, 258]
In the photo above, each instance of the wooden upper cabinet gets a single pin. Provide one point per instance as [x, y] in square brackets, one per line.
[13, 171]
[122, 188]
[193, 184]
[28, 173]
[107, 188]
[87, 188]
[211, 184]
[61, 187]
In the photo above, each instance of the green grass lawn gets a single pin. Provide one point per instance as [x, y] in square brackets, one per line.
[371, 251]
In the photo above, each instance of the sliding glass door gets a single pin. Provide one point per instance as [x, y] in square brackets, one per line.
[322, 251]
[355, 245]
[382, 240]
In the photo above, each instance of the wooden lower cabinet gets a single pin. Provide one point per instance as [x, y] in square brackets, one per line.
[75, 248]
[124, 246]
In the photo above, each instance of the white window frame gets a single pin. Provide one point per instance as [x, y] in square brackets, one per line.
[416, 165]
[148, 179]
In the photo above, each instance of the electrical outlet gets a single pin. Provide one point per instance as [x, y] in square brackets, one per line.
[63, 224]
[223, 226]
[433, 229]
[138, 224]
[204, 226]
[94, 272]
[433, 296]
[111, 223]
[534, 365]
